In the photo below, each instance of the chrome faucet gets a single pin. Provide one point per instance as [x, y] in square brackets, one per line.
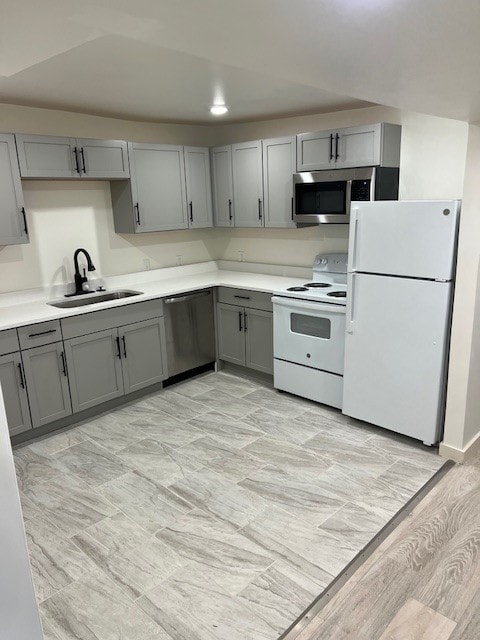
[80, 280]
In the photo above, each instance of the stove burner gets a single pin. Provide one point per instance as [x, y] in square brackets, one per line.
[297, 289]
[337, 294]
[317, 285]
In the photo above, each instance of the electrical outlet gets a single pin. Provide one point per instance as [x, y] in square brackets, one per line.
[179, 260]
[241, 254]
[146, 264]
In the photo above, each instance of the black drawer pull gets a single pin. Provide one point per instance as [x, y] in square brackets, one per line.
[83, 160]
[230, 216]
[75, 153]
[137, 208]
[240, 328]
[41, 333]
[242, 297]
[22, 381]
[25, 227]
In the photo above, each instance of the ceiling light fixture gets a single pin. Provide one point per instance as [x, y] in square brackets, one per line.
[218, 109]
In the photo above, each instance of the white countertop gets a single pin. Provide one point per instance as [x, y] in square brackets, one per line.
[30, 307]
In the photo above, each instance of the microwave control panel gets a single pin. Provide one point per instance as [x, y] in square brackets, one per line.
[360, 190]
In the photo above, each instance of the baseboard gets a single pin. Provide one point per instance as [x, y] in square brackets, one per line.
[471, 450]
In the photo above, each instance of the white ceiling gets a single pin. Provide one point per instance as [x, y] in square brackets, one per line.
[167, 60]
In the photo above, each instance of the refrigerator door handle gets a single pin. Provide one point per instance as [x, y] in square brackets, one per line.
[350, 301]
[353, 238]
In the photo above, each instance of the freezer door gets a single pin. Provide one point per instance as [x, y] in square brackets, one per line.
[395, 354]
[414, 239]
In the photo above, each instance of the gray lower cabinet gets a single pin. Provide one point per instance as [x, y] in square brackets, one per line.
[111, 363]
[47, 383]
[142, 350]
[13, 223]
[245, 337]
[94, 368]
[12, 381]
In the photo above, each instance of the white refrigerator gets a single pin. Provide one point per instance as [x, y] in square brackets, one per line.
[401, 269]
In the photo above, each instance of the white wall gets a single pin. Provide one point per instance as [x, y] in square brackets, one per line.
[462, 423]
[65, 215]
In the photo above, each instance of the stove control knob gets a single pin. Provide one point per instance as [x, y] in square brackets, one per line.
[324, 261]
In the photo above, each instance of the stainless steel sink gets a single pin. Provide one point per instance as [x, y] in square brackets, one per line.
[94, 298]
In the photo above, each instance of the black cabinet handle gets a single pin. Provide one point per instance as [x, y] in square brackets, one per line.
[119, 354]
[240, 328]
[337, 138]
[64, 364]
[230, 216]
[124, 347]
[331, 146]
[83, 160]
[22, 381]
[259, 209]
[25, 228]
[190, 204]
[41, 333]
[137, 209]
[242, 297]
[245, 327]
[292, 207]
[75, 153]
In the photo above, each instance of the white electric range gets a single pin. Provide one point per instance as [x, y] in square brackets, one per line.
[309, 333]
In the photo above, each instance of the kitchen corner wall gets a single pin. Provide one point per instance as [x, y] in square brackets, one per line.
[65, 215]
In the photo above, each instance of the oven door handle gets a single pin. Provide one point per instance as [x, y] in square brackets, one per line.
[316, 307]
[349, 323]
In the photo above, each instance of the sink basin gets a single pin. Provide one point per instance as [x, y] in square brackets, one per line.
[94, 298]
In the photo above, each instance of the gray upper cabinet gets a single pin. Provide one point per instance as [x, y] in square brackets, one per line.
[199, 188]
[143, 353]
[47, 383]
[365, 145]
[155, 197]
[72, 158]
[13, 223]
[279, 160]
[248, 184]
[222, 186]
[94, 368]
[12, 381]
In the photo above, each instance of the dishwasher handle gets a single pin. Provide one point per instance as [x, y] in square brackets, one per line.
[189, 296]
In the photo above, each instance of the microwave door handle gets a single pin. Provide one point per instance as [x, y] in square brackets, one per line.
[348, 196]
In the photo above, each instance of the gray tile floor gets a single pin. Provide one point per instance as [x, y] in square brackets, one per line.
[216, 509]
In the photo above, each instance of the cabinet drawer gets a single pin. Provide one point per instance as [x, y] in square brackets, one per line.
[245, 298]
[36, 335]
[94, 321]
[8, 341]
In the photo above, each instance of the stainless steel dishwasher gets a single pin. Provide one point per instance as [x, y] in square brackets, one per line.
[190, 331]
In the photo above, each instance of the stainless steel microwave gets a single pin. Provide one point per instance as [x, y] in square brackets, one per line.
[321, 197]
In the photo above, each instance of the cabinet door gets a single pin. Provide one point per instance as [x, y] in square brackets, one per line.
[47, 383]
[158, 187]
[230, 334]
[278, 170]
[12, 382]
[199, 188]
[223, 186]
[316, 151]
[94, 368]
[47, 157]
[144, 354]
[259, 340]
[359, 146]
[13, 225]
[248, 184]
[103, 159]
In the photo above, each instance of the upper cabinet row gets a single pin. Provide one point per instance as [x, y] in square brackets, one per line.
[164, 187]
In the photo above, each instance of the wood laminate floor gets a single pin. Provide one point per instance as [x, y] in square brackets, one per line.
[217, 509]
[422, 582]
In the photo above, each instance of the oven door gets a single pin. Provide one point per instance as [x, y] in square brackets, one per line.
[309, 333]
